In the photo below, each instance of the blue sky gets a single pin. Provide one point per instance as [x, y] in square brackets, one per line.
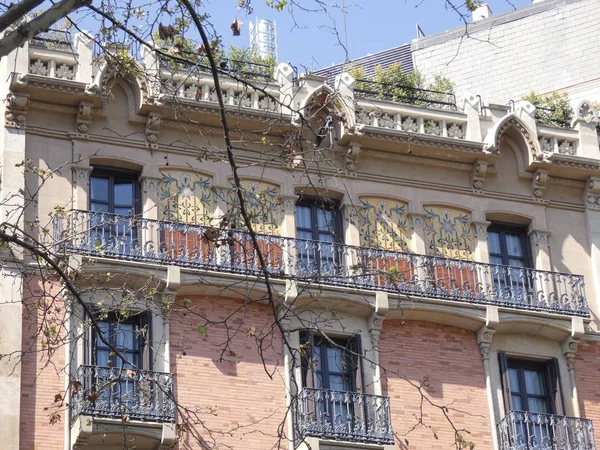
[371, 26]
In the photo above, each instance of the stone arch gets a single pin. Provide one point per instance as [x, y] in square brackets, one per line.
[324, 96]
[135, 87]
[525, 139]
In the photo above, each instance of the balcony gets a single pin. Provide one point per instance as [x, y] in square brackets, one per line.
[521, 430]
[200, 247]
[346, 416]
[128, 394]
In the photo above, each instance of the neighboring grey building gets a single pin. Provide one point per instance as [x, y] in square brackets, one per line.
[544, 47]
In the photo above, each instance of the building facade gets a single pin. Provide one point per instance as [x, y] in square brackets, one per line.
[420, 277]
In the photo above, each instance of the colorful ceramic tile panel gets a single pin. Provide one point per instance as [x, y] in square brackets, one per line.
[449, 232]
[383, 223]
[186, 196]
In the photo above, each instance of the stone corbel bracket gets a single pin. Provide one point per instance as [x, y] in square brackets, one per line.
[153, 129]
[84, 119]
[538, 185]
[375, 321]
[480, 169]
[592, 193]
[16, 110]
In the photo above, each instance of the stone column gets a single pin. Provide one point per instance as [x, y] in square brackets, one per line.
[417, 241]
[540, 249]
[288, 230]
[484, 341]
[482, 252]
[585, 123]
[375, 325]
[470, 107]
[81, 186]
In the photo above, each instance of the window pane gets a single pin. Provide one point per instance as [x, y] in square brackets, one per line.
[516, 262]
[336, 382]
[124, 193]
[517, 403]
[494, 242]
[126, 337]
[513, 375]
[496, 260]
[325, 237]
[534, 382]
[303, 217]
[304, 235]
[124, 212]
[513, 245]
[538, 405]
[103, 207]
[99, 189]
[325, 220]
[334, 360]
[102, 357]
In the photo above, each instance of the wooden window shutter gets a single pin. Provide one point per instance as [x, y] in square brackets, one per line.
[355, 347]
[307, 343]
[145, 338]
[554, 391]
[505, 382]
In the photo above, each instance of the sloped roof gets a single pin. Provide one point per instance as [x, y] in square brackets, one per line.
[386, 58]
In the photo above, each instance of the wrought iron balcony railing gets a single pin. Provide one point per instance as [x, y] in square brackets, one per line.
[194, 246]
[121, 393]
[522, 430]
[347, 416]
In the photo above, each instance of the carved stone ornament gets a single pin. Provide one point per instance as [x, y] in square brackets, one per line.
[375, 324]
[480, 169]
[153, 128]
[484, 341]
[16, 110]
[539, 183]
[547, 144]
[592, 193]
[149, 184]
[567, 148]
[81, 174]
[289, 202]
[417, 220]
[480, 229]
[352, 154]
[569, 348]
[84, 118]
[587, 113]
[456, 131]
[539, 237]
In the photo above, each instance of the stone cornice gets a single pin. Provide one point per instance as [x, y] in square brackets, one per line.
[423, 139]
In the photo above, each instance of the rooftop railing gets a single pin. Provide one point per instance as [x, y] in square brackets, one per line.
[340, 415]
[53, 39]
[405, 94]
[121, 393]
[523, 430]
[130, 238]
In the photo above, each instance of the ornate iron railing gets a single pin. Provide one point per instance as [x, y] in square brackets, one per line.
[244, 69]
[347, 416]
[122, 237]
[123, 393]
[521, 430]
[554, 117]
[405, 94]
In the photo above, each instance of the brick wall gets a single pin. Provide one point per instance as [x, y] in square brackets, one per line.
[450, 358]
[239, 404]
[587, 373]
[41, 379]
[553, 49]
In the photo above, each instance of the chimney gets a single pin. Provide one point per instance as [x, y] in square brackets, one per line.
[483, 11]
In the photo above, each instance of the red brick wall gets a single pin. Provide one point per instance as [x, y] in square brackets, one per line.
[450, 359]
[587, 374]
[41, 378]
[240, 406]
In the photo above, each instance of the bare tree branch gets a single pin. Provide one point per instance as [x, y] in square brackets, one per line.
[15, 12]
[41, 23]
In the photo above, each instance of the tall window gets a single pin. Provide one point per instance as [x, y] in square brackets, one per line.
[114, 191]
[532, 390]
[115, 378]
[509, 245]
[318, 220]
